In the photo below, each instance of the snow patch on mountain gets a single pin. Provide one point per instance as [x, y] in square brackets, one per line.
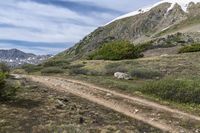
[183, 3]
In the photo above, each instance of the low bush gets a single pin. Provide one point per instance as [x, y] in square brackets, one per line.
[177, 90]
[73, 66]
[145, 74]
[116, 50]
[2, 80]
[7, 91]
[52, 63]
[29, 68]
[4, 68]
[52, 70]
[190, 48]
[77, 71]
[145, 46]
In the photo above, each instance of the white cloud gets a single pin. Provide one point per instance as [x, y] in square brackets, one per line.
[35, 22]
[49, 20]
[119, 5]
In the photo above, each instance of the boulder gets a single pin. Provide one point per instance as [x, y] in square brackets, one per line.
[121, 75]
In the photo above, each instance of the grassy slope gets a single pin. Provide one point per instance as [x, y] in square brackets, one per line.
[181, 66]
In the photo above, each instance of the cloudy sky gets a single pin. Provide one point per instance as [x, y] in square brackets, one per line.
[50, 26]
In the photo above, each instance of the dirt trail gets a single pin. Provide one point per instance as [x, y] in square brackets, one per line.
[156, 115]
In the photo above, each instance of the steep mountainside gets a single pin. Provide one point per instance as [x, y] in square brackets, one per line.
[155, 23]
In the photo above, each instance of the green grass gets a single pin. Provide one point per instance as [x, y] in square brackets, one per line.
[146, 71]
[145, 74]
[174, 89]
[52, 70]
[190, 48]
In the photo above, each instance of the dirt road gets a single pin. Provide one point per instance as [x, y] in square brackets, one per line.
[156, 115]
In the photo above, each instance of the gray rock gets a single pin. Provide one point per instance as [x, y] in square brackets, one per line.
[121, 75]
[60, 104]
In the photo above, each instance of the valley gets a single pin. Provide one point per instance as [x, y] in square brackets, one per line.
[138, 73]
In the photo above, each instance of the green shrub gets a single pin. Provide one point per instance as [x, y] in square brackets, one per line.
[116, 50]
[4, 68]
[52, 70]
[2, 80]
[190, 48]
[110, 69]
[52, 63]
[94, 73]
[7, 91]
[177, 90]
[29, 68]
[77, 71]
[145, 74]
[145, 46]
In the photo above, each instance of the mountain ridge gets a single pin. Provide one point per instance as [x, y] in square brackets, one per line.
[183, 3]
[155, 23]
[15, 57]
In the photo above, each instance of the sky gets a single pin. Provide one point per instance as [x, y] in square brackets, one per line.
[51, 26]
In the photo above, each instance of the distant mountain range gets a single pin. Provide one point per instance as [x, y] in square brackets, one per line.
[167, 23]
[15, 57]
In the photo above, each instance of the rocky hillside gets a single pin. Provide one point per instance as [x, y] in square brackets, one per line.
[15, 57]
[157, 24]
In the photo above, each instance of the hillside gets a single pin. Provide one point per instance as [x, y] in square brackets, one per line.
[157, 23]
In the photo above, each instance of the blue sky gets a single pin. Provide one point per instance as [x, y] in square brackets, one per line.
[51, 26]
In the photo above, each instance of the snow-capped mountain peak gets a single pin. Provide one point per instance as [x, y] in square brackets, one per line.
[183, 3]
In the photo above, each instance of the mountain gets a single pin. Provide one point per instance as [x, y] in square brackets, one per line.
[169, 21]
[14, 53]
[15, 57]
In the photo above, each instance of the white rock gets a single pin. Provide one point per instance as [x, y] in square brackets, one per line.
[121, 75]
[164, 55]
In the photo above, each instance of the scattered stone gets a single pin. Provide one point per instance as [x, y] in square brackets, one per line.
[136, 111]
[197, 131]
[47, 79]
[60, 104]
[157, 78]
[164, 55]
[108, 94]
[121, 75]
[152, 119]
